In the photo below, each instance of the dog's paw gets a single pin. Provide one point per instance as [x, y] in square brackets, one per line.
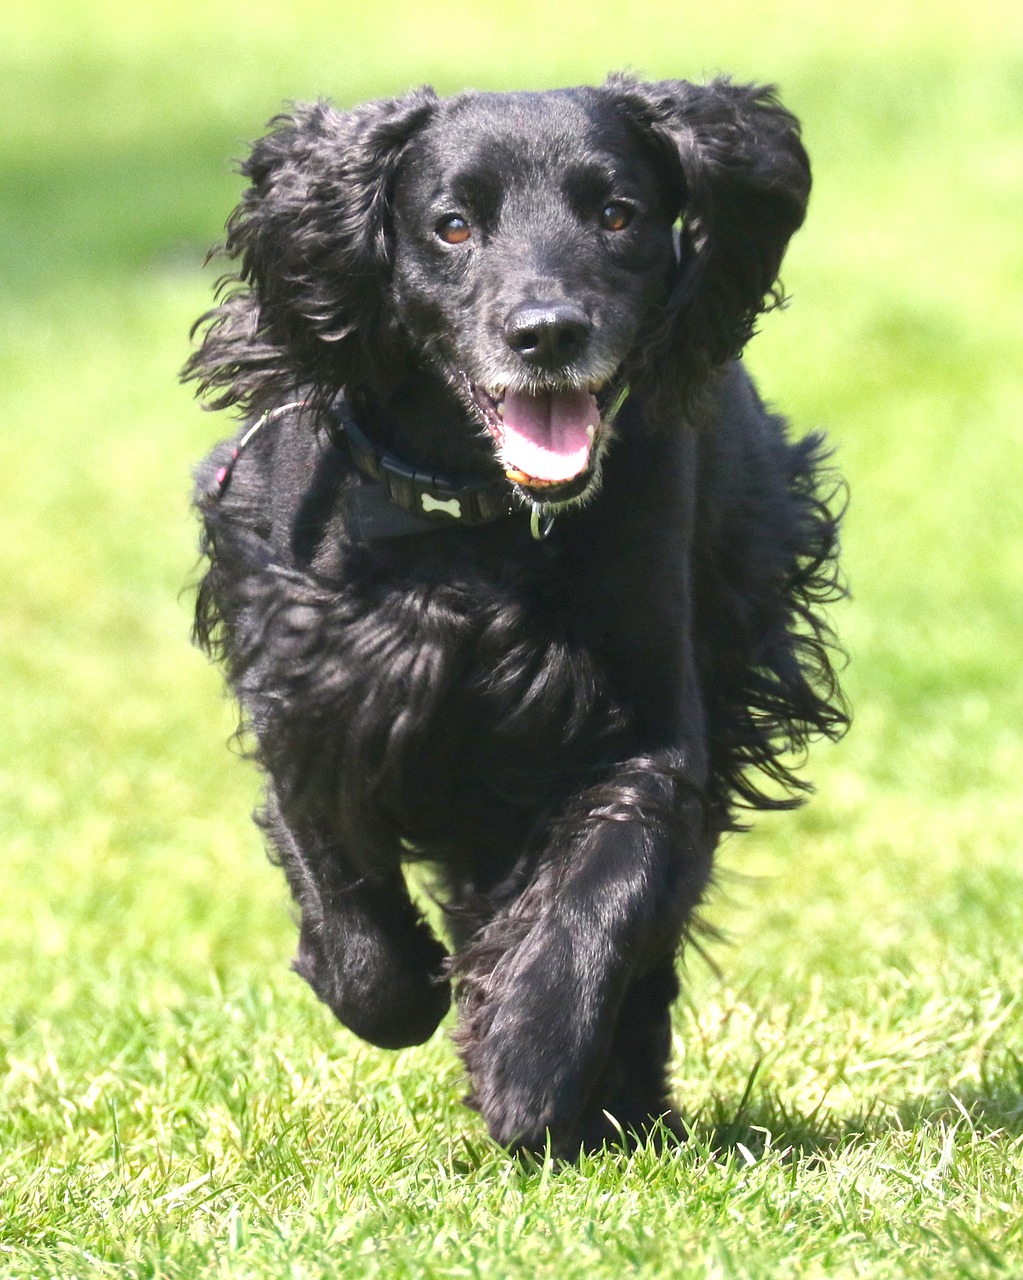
[543, 1108]
[531, 1065]
[521, 1109]
[624, 1127]
[390, 1003]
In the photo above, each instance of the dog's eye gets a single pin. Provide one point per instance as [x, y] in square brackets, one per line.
[453, 230]
[616, 216]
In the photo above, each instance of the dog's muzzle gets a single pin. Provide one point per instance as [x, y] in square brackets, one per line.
[549, 440]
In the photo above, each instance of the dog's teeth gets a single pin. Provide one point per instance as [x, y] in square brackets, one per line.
[591, 431]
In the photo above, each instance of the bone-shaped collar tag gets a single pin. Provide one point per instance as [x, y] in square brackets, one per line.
[450, 507]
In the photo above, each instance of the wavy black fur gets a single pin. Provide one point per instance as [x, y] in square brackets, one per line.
[562, 728]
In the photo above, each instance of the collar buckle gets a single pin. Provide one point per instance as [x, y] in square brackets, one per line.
[434, 500]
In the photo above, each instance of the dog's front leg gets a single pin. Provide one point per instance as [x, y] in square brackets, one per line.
[364, 948]
[545, 990]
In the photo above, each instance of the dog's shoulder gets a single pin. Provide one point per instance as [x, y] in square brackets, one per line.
[277, 479]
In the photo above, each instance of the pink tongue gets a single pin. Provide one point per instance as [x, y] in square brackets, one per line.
[545, 435]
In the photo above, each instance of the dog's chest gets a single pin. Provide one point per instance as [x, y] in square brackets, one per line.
[492, 696]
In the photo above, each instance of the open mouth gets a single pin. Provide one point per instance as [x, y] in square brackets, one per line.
[549, 440]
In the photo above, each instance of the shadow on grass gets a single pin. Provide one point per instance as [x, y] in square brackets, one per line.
[993, 1108]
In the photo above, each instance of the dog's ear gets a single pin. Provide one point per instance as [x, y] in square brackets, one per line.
[311, 239]
[742, 178]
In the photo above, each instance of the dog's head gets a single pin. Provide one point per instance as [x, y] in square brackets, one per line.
[537, 252]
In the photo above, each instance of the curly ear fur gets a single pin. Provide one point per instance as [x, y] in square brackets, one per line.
[311, 236]
[744, 183]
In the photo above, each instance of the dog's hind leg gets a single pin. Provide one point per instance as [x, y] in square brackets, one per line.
[363, 947]
[565, 995]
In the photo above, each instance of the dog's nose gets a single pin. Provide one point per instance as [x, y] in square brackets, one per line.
[547, 334]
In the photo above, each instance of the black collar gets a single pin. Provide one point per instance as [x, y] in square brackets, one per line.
[405, 500]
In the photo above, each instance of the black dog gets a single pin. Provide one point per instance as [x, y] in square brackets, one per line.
[512, 572]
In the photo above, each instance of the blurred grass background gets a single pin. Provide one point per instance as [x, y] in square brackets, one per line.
[876, 968]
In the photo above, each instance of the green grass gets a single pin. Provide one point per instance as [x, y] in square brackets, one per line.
[172, 1101]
